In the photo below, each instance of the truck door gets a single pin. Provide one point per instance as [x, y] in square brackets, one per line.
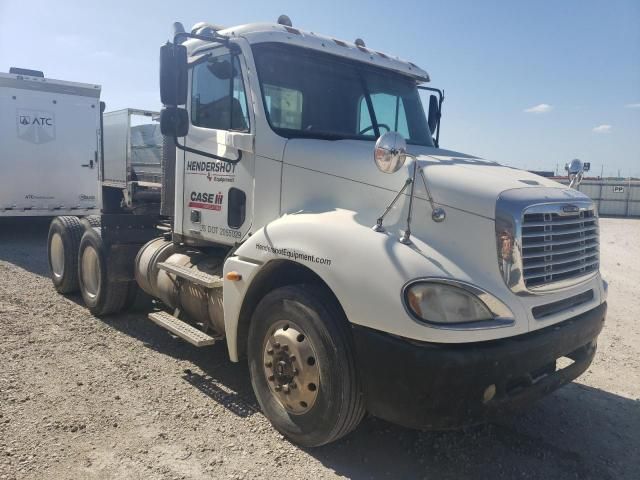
[218, 196]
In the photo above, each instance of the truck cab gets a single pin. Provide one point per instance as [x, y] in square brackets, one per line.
[357, 265]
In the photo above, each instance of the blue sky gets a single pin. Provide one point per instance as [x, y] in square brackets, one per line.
[531, 84]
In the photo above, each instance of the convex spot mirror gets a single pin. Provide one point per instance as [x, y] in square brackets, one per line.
[574, 167]
[174, 122]
[390, 152]
[173, 74]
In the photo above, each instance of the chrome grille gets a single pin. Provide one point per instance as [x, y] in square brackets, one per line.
[558, 245]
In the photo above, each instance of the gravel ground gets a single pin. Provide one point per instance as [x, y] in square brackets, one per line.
[120, 398]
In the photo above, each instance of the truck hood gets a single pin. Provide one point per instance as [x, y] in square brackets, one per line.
[455, 179]
[470, 183]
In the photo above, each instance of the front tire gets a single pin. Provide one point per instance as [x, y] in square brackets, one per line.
[62, 252]
[302, 366]
[101, 294]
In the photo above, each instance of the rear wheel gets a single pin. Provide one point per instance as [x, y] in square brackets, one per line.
[302, 366]
[62, 251]
[91, 221]
[101, 294]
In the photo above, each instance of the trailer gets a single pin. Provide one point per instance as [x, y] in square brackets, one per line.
[49, 145]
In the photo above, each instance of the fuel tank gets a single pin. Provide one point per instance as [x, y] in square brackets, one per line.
[201, 305]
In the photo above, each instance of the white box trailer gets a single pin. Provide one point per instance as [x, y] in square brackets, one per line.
[49, 144]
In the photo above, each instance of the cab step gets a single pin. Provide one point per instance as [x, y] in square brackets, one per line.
[182, 329]
[194, 276]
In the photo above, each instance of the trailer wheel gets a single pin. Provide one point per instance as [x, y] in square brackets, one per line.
[302, 366]
[102, 295]
[62, 252]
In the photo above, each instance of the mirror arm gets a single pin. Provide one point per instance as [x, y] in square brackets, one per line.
[180, 35]
[406, 237]
[426, 188]
[207, 154]
[378, 226]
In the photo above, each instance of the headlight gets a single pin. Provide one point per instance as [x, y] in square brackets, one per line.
[451, 302]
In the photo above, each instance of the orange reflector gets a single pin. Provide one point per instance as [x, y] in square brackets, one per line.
[233, 276]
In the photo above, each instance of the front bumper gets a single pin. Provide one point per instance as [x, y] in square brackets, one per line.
[444, 386]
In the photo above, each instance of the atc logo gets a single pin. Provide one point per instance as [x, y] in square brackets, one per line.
[36, 126]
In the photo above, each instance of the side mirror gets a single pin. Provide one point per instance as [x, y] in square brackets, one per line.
[174, 122]
[434, 113]
[173, 74]
[390, 152]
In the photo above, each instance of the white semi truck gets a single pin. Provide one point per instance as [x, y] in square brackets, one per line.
[49, 137]
[310, 218]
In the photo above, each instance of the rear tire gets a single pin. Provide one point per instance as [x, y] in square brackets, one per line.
[102, 295]
[302, 365]
[91, 221]
[62, 252]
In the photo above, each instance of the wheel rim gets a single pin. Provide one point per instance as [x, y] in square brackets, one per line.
[56, 253]
[291, 367]
[90, 272]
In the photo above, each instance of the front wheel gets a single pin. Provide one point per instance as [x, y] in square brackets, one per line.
[302, 366]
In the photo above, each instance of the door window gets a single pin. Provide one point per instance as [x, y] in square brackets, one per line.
[218, 98]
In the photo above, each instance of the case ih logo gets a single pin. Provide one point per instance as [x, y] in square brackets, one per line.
[206, 201]
[36, 126]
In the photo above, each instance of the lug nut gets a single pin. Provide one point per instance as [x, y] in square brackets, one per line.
[285, 347]
[292, 358]
[276, 345]
[268, 364]
[271, 378]
[270, 352]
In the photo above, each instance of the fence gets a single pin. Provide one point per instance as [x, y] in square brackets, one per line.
[613, 197]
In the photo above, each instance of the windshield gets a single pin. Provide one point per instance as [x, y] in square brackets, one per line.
[317, 95]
